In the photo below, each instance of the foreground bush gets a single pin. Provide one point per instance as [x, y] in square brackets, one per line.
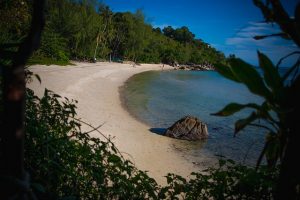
[66, 163]
[228, 180]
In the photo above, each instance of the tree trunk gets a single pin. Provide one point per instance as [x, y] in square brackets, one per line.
[13, 114]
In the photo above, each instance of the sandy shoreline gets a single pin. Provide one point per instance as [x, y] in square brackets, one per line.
[96, 87]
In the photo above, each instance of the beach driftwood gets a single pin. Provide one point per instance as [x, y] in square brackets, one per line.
[188, 128]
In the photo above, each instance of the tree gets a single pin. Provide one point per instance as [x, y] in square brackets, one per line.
[13, 111]
[15, 19]
[105, 36]
[168, 31]
[183, 35]
[136, 36]
[157, 30]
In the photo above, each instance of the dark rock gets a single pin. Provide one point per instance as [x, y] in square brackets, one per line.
[194, 67]
[188, 128]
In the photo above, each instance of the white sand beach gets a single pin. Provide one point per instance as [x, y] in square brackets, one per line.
[96, 87]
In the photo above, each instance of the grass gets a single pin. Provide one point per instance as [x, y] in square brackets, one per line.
[47, 61]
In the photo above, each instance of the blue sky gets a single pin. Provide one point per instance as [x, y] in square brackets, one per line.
[228, 25]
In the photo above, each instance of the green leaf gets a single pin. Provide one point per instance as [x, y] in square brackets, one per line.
[56, 96]
[273, 148]
[271, 74]
[38, 187]
[38, 78]
[114, 159]
[235, 107]
[226, 72]
[290, 70]
[242, 123]
[230, 161]
[222, 163]
[250, 77]
[69, 198]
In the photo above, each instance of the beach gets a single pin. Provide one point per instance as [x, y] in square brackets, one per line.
[96, 87]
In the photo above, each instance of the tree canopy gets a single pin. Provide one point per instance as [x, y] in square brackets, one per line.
[83, 30]
[65, 163]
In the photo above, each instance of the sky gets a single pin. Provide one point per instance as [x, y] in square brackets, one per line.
[228, 25]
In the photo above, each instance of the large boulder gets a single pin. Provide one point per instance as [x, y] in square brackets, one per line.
[188, 128]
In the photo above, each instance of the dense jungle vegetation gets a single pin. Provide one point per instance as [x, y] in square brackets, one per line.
[83, 30]
[44, 154]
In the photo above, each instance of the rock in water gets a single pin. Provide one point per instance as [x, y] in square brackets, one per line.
[188, 128]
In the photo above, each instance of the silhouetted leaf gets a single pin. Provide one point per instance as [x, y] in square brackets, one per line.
[250, 77]
[271, 74]
[242, 123]
[273, 149]
[222, 162]
[114, 159]
[56, 96]
[69, 198]
[226, 72]
[38, 187]
[38, 78]
[235, 107]
[282, 35]
[230, 161]
[290, 70]
[259, 37]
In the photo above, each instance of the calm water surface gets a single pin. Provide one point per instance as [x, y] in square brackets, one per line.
[159, 98]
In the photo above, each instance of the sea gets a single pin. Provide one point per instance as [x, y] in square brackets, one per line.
[160, 98]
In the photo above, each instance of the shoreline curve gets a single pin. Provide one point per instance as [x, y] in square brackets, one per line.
[96, 86]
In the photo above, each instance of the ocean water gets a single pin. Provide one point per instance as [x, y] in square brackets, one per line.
[159, 98]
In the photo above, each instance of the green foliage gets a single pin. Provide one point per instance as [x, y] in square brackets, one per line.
[82, 30]
[271, 75]
[65, 162]
[226, 181]
[246, 74]
[53, 46]
[273, 88]
[39, 60]
[15, 19]
[233, 108]
[182, 35]
[281, 100]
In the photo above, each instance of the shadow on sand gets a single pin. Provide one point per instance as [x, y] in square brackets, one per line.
[159, 131]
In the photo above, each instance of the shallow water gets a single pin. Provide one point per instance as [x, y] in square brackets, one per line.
[159, 98]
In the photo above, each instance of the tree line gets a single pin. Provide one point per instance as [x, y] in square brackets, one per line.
[87, 29]
[62, 162]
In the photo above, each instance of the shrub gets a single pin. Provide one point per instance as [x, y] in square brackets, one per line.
[65, 162]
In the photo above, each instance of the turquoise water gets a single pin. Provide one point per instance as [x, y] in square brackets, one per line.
[159, 98]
